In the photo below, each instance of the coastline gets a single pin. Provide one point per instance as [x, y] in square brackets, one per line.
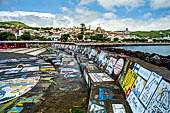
[121, 44]
[153, 62]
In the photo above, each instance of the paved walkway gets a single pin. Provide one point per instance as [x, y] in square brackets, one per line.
[70, 94]
[29, 51]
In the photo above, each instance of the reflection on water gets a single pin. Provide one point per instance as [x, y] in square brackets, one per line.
[162, 50]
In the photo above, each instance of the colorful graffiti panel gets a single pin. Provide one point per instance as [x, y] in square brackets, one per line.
[118, 66]
[29, 69]
[112, 62]
[136, 68]
[67, 70]
[129, 82]
[144, 73]
[72, 75]
[19, 105]
[161, 99]
[97, 107]
[10, 89]
[11, 71]
[118, 108]
[93, 53]
[110, 66]
[150, 88]
[106, 94]
[100, 77]
[101, 57]
[139, 85]
[135, 104]
[123, 74]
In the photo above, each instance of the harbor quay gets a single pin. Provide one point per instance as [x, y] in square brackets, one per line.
[76, 78]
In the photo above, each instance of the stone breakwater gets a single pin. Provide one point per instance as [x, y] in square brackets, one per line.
[108, 74]
[154, 58]
[74, 79]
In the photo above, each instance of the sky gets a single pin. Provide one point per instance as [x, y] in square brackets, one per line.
[111, 15]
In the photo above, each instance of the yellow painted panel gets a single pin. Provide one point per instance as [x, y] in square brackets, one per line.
[129, 81]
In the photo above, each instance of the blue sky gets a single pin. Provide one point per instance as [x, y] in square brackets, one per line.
[110, 14]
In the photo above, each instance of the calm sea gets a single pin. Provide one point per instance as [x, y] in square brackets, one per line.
[162, 50]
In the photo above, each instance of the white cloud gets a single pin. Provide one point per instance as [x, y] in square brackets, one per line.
[84, 11]
[86, 2]
[36, 18]
[24, 13]
[129, 4]
[66, 10]
[147, 15]
[156, 4]
[83, 15]
[109, 15]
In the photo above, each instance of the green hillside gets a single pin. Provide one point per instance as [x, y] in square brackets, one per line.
[152, 34]
[15, 23]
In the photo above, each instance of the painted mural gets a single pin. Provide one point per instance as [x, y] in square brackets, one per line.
[72, 75]
[29, 69]
[97, 107]
[136, 68]
[110, 66]
[123, 74]
[150, 88]
[11, 70]
[13, 88]
[67, 70]
[144, 73]
[139, 85]
[101, 57]
[93, 53]
[100, 77]
[129, 82]
[135, 104]
[161, 99]
[118, 66]
[18, 107]
[118, 108]
[106, 94]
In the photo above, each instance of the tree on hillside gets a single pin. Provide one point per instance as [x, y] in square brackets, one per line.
[65, 37]
[6, 36]
[50, 33]
[98, 37]
[11, 38]
[116, 39]
[26, 36]
[80, 37]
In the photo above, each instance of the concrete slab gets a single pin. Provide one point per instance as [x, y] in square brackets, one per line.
[27, 50]
[35, 53]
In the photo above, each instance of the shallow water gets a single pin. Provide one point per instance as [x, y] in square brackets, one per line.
[162, 50]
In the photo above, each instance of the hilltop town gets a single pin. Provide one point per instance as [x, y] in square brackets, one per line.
[19, 31]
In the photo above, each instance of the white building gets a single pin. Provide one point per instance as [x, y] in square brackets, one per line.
[54, 37]
[167, 38]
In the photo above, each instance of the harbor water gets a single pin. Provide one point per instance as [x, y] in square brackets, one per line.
[162, 50]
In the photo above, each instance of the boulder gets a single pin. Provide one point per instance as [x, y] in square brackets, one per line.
[155, 59]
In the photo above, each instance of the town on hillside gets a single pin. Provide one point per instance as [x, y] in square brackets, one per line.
[18, 31]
